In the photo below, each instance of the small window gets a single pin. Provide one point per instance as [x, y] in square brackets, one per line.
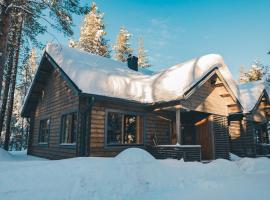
[124, 129]
[44, 131]
[261, 134]
[69, 128]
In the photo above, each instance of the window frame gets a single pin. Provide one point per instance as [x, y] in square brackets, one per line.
[68, 145]
[143, 115]
[49, 131]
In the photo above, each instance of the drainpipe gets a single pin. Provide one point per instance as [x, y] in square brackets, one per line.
[87, 117]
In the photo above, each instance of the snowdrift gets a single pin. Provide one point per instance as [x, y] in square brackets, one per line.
[133, 175]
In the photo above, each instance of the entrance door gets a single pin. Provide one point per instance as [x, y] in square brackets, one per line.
[204, 138]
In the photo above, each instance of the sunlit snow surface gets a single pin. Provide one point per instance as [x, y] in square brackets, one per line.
[132, 175]
[102, 76]
[251, 92]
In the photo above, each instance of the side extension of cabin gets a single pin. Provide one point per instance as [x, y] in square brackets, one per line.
[249, 134]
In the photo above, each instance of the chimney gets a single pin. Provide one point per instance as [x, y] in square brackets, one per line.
[132, 62]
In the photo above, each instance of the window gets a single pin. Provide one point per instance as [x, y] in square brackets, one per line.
[69, 128]
[124, 129]
[261, 134]
[44, 131]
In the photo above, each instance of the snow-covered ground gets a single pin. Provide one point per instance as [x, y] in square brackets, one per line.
[133, 174]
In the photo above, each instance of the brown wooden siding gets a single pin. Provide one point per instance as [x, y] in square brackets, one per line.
[236, 141]
[207, 99]
[154, 125]
[221, 136]
[248, 137]
[57, 99]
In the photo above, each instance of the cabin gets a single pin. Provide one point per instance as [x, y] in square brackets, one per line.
[249, 135]
[81, 104]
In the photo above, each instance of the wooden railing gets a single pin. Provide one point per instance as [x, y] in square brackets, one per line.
[186, 152]
[263, 149]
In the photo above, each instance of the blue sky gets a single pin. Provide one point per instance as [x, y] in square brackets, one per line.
[177, 30]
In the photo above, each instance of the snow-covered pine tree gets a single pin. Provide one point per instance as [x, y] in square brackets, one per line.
[257, 71]
[243, 77]
[29, 67]
[143, 60]
[122, 46]
[57, 14]
[92, 33]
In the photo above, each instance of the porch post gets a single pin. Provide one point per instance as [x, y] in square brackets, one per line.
[178, 126]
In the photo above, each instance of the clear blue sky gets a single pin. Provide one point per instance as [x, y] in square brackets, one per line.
[177, 30]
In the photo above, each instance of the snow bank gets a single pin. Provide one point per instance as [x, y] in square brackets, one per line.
[133, 175]
[234, 157]
[16, 156]
[102, 76]
[5, 155]
[135, 155]
[258, 165]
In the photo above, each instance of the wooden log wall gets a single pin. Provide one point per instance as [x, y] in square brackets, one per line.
[237, 144]
[57, 99]
[207, 99]
[221, 136]
[154, 124]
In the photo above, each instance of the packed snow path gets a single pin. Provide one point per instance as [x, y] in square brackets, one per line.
[134, 175]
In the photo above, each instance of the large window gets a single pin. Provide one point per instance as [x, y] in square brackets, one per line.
[124, 129]
[44, 130]
[69, 128]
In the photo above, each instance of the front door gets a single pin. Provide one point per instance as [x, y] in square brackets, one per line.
[204, 138]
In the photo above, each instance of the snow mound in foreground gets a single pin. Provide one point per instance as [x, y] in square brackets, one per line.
[258, 165]
[234, 157]
[5, 156]
[135, 155]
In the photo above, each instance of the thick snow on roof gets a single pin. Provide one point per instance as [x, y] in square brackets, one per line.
[102, 76]
[251, 92]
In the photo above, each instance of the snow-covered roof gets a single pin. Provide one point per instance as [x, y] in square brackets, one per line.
[103, 76]
[251, 92]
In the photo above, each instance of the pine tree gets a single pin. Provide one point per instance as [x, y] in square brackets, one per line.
[256, 72]
[92, 33]
[18, 22]
[143, 61]
[122, 46]
[28, 70]
[36, 13]
[243, 78]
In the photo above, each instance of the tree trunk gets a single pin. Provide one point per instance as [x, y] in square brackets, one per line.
[13, 84]
[7, 83]
[4, 30]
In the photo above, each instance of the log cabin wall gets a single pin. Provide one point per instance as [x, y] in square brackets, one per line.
[237, 144]
[214, 98]
[247, 137]
[221, 136]
[242, 132]
[56, 100]
[154, 124]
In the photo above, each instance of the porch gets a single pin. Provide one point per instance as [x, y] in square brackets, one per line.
[194, 137]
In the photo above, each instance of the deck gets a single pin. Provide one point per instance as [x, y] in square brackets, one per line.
[186, 152]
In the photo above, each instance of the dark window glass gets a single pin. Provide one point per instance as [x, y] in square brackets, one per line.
[261, 134]
[124, 128]
[69, 128]
[44, 131]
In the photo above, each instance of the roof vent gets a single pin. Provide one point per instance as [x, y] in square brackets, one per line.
[132, 62]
